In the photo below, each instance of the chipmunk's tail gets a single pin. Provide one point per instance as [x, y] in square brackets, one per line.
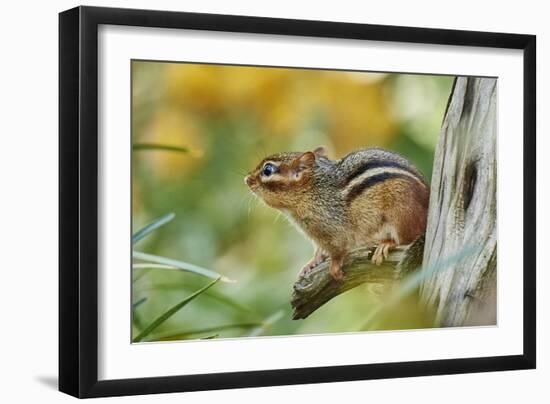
[414, 254]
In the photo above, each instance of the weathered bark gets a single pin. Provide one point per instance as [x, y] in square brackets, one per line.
[462, 209]
[462, 214]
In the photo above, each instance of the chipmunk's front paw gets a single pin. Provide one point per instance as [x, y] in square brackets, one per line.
[382, 251]
[306, 269]
[319, 257]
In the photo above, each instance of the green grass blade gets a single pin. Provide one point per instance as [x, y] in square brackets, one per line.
[212, 294]
[149, 265]
[213, 336]
[184, 266]
[413, 281]
[146, 268]
[139, 302]
[171, 311]
[149, 228]
[266, 324]
[188, 333]
[220, 297]
[158, 146]
[140, 275]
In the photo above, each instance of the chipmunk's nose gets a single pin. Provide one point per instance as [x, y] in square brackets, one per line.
[249, 180]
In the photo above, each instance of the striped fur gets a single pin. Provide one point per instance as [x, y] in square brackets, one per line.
[365, 168]
[373, 176]
[373, 164]
[366, 182]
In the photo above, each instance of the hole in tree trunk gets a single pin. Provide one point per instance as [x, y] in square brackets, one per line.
[470, 179]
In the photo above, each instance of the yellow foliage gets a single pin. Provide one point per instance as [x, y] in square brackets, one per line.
[173, 127]
[281, 99]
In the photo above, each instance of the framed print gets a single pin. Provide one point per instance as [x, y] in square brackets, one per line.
[250, 201]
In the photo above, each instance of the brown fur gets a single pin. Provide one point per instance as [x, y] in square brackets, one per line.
[341, 206]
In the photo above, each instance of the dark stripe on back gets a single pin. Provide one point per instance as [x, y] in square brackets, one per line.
[371, 181]
[376, 164]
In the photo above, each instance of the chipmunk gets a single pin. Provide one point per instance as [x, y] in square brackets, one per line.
[369, 198]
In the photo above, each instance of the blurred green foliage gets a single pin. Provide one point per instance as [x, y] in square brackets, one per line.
[218, 122]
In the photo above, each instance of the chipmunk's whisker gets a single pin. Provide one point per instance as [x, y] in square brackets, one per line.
[250, 200]
[237, 172]
[277, 217]
[242, 171]
[243, 200]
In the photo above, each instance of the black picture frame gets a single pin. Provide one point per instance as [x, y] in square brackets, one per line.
[78, 200]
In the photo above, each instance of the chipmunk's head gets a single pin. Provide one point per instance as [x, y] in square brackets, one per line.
[280, 178]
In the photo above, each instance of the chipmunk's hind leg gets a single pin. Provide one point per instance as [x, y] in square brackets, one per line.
[382, 250]
[336, 264]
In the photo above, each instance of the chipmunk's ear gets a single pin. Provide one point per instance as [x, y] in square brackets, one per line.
[305, 161]
[320, 151]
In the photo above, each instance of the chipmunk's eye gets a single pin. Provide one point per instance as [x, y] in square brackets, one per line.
[268, 170]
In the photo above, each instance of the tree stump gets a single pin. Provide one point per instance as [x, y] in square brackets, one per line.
[463, 207]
